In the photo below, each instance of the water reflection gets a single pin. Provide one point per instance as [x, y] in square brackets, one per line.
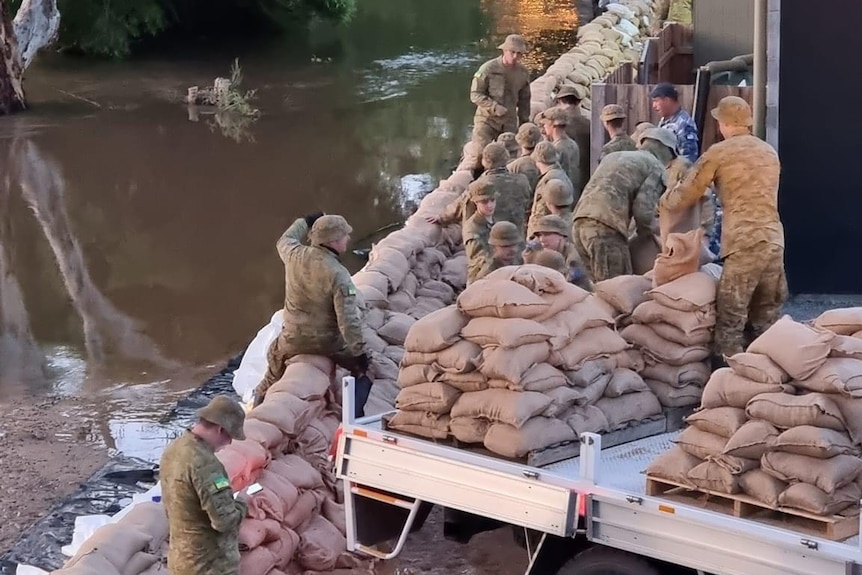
[138, 246]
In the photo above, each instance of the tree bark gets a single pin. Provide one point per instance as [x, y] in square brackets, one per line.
[11, 68]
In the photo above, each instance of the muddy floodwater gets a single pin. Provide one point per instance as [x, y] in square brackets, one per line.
[137, 237]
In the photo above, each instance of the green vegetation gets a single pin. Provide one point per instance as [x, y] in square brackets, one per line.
[113, 28]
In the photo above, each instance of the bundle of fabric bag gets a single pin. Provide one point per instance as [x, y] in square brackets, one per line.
[673, 329]
[525, 360]
[411, 272]
[783, 423]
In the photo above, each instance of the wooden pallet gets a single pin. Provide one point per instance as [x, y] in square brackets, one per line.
[832, 527]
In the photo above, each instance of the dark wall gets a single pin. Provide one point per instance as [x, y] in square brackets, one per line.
[820, 197]
[722, 29]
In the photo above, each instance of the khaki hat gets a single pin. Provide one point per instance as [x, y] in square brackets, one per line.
[494, 155]
[550, 259]
[613, 112]
[504, 234]
[556, 193]
[226, 413]
[551, 225]
[329, 228]
[515, 43]
[545, 153]
[579, 91]
[639, 131]
[661, 135]
[482, 191]
[557, 117]
[734, 111]
[529, 135]
[510, 140]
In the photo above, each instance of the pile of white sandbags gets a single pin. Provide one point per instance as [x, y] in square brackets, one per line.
[783, 423]
[673, 329]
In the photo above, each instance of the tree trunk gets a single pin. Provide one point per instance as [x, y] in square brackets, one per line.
[11, 70]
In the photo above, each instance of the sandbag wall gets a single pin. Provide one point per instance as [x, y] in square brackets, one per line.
[783, 423]
[523, 361]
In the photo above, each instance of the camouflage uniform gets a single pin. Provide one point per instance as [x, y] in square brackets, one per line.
[501, 95]
[745, 170]
[619, 143]
[578, 129]
[574, 267]
[568, 151]
[528, 137]
[202, 514]
[502, 235]
[509, 139]
[626, 185]
[475, 233]
[321, 314]
[553, 177]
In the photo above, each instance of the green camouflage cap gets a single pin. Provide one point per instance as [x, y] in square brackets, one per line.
[482, 191]
[504, 234]
[545, 153]
[579, 91]
[550, 259]
[227, 414]
[556, 193]
[529, 135]
[515, 43]
[557, 117]
[661, 135]
[734, 111]
[329, 228]
[638, 133]
[551, 225]
[613, 112]
[510, 141]
[494, 155]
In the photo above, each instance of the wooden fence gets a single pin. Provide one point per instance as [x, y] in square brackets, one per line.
[636, 102]
[669, 57]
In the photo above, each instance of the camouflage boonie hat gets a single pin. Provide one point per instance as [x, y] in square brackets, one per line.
[734, 111]
[495, 155]
[529, 135]
[613, 112]
[504, 234]
[550, 259]
[329, 228]
[482, 191]
[551, 225]
[579, 91]
[556, 193]
[545, 153]
[227, 414]
[639, 131]
[515, 43]
[661, 135]
[557, 117]
[510, 141]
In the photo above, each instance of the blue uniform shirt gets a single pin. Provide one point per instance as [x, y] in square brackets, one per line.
[685, 129]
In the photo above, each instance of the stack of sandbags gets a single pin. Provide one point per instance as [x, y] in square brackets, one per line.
[623, 294]
[673, 331]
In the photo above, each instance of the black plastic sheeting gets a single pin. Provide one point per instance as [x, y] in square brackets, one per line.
[108, 490]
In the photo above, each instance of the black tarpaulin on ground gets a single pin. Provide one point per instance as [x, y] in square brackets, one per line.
[108, 490]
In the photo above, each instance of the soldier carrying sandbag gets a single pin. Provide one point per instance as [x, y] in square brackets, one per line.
[625, 186]
[321, 312]
[501, 92]
[745, 170]
[203, 515]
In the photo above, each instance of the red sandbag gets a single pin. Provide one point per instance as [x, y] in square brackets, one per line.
[258, 561]
[243, 461]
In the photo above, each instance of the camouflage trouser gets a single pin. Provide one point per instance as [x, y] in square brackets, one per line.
[484, 133]
[604, 251]
[279, 354]
[751, 291]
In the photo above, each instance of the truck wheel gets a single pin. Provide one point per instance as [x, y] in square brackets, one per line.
[606, 561]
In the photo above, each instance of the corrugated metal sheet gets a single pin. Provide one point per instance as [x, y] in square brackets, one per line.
[722, 29]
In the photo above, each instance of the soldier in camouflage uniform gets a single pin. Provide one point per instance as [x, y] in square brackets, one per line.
[639, 130]
[501, 92]
[510, 141]
[745, 170]
[552, 233]
[545, 155]
[555, 121]
[569, 99]
[665, 101]
[476, 230]
[321, 314]
[512, 191]
[202, 513]
[528, 137]
[626, 185]
[613, 118]
[506, 243]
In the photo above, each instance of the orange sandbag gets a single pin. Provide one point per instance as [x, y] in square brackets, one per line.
[320, 545]
[297, 470]
[243, 461]
[258, 561]
[678, 221]
[797, 348]
[500, 298]
[264, 433]
[681, 256]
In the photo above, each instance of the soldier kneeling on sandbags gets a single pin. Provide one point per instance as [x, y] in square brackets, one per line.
[551, 233]
[203, 515]
[321, 314]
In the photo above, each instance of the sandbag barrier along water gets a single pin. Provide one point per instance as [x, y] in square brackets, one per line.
[783, 423]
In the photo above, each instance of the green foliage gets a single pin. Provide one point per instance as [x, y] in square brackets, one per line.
[237, 101]
[109, 27]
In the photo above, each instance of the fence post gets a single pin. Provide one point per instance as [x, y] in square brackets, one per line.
[599, 97]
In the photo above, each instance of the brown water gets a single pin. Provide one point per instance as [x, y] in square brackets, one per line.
[137, 239]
